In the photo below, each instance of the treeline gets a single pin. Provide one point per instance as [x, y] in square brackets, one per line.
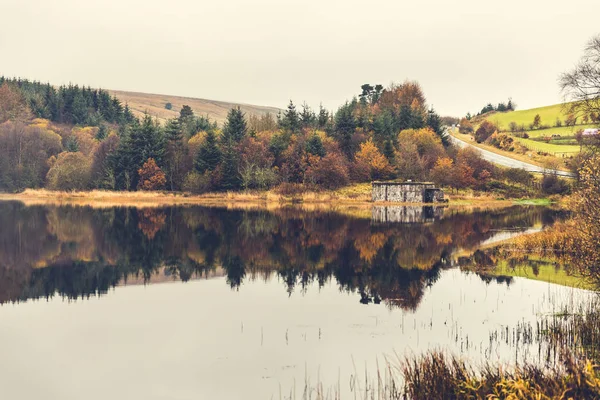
[383, 133]
[70, 104]
[501, 107]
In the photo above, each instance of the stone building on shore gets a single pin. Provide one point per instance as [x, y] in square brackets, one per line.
[406, 192]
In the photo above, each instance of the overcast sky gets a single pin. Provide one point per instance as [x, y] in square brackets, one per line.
[464, 53]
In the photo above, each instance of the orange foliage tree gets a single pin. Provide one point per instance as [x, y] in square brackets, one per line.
[442, 172]
[151, 176]
[369, 163]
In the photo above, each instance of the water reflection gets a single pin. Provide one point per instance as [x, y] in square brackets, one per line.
[407, 214]
[77, 252]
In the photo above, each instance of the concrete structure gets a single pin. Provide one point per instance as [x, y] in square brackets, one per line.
[406, 192]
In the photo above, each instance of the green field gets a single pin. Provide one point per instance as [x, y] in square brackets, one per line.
[562, 131]
[548, 115]
[554, 149]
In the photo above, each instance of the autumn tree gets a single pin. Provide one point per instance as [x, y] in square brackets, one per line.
[537, 121]
[12, 104]
[466, 127]
[24, 151]
[442, 172]
[370, 164]
[485, 130]
[329, 172]
[70, 171]
[102, 169]
[151, 177]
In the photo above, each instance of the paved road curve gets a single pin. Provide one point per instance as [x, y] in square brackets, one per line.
[509, 162]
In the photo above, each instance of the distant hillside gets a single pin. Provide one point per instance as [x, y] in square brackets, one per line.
[548, 115]
[154, 104]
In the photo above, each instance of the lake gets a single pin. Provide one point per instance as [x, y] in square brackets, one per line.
[212, 303]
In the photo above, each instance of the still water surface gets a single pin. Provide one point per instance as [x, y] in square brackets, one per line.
[199, 303]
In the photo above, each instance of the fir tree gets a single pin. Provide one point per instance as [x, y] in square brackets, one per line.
[102, 132]
[323, 117]
[314, 146]
[71, 145]
[345, 124]
[290, 121]
[235, 128]
[209, 155]
[388, 152]
[173, 132]
[435, 123]
[307, 118]
[231, 179]
[79, 110]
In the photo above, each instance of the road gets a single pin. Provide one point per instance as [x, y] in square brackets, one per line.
[509, 162]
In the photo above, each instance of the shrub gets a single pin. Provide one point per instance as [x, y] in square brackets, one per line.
[291, 189]
[552, 184]
[169, 106]
[195, 182]
[558, 122]
[518, 175]
[485, 130]
[254, 177]
[329, 172]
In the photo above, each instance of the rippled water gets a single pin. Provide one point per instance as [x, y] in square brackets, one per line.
[94, 305]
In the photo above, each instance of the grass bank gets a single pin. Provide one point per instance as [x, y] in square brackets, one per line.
[357, 195]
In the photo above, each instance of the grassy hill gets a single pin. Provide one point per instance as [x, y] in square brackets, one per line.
[563, 146]
[154, 104]
[548, 114]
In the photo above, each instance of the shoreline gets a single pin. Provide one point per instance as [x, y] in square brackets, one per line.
[268, 200]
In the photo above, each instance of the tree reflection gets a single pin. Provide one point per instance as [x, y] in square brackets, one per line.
[77, 252]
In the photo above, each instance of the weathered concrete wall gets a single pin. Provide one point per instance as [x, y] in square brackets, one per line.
[406, 214]
[409, 192]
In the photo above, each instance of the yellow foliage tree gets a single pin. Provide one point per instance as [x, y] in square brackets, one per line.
[369, 163]
[442, 171]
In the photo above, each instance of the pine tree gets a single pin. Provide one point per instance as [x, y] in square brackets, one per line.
[290, 121]
[185, 114]
[404, 118]
[102, 132]
[323, 117]
[176, 153]
[231, 179]
[79, 108]
[173, 132]
[307, 118]
[435, 123]
[139, 143]
[71, 145]
[314, 146]
[209, 155]
[345, 124]
[235, 128]
[388, 152]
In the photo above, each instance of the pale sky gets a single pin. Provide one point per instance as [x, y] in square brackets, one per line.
[464, 53]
